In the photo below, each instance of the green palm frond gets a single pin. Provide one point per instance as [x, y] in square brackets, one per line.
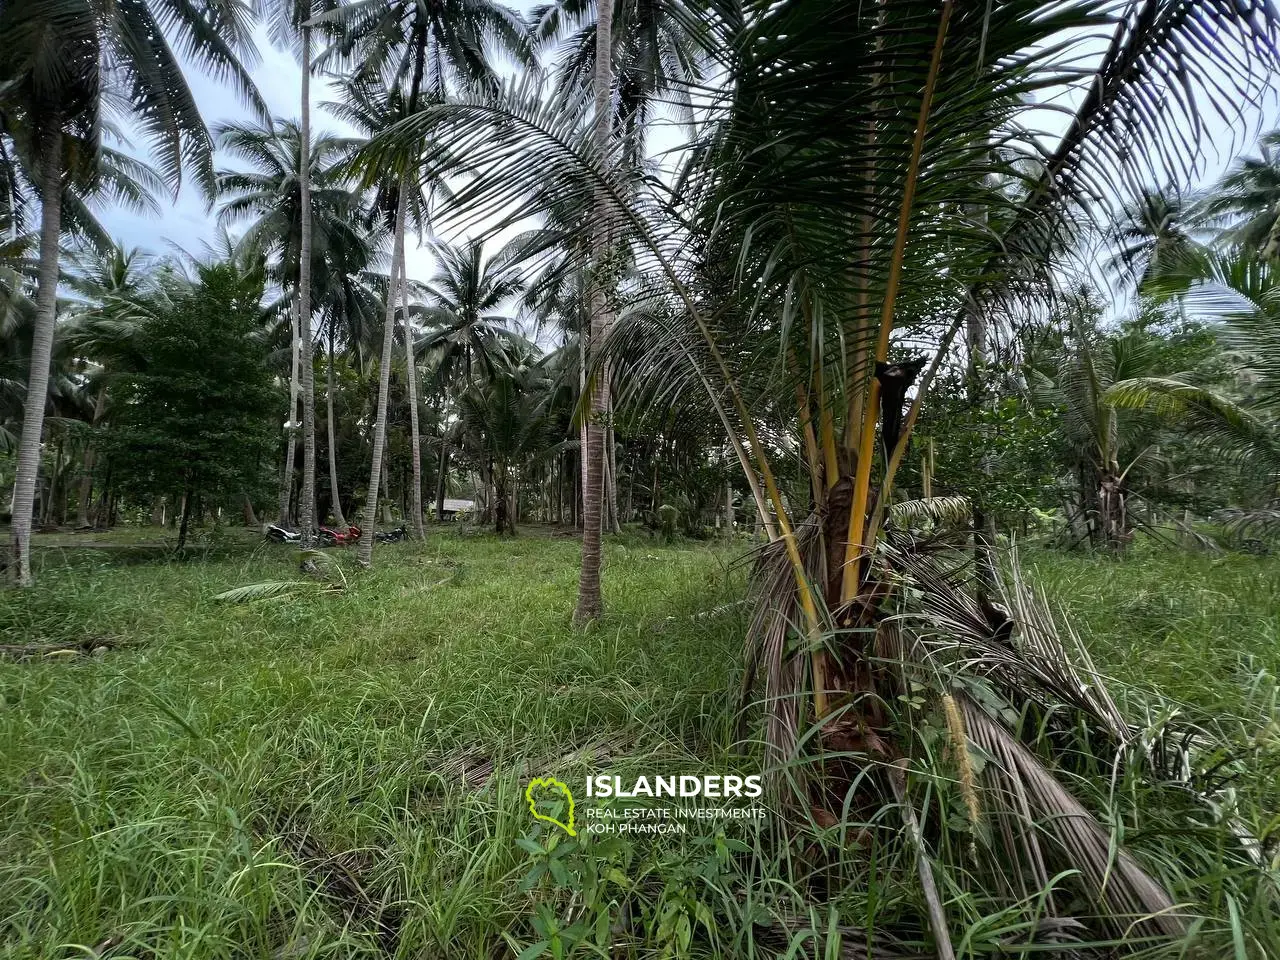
[1203, 413]
[952, 511]
[333, 580]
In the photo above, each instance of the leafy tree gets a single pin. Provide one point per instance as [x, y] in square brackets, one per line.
[505, 422]
[196, 418]
[62, 65]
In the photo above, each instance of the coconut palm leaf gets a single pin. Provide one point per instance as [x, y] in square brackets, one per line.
[1203, 413]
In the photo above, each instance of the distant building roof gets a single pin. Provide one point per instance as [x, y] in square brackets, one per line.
[458, 506]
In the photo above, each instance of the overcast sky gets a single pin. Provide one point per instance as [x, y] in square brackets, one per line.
[187, 222]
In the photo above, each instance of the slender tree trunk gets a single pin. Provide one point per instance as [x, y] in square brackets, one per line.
[334, 494]
[24, 487]
[557, 489]
[983, 526]
[250, 517]
[387, 518]
[611, 466]
[186, 518]
[364, 553]
[411, 376]
[61, 485]
[290, 430]
[307, 496]
[728, 510]
[631, 491]
[102, 514]
[583, 337]
[500, 513]
[654, 490]
[590, 603]
[85, 495]
[442, 482]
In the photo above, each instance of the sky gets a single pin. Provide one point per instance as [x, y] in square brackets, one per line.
[186, 221]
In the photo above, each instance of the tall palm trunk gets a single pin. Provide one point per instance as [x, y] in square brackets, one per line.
[83, 516]
[291, 433]
[411, 372]
[590, 604]
[442, 481]
[24, 486]
[364, 552]
[307, 496]
[334, 495]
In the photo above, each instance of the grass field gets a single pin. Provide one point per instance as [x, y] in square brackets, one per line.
[341, 773]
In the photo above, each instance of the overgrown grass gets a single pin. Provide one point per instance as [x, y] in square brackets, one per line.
[342, 774]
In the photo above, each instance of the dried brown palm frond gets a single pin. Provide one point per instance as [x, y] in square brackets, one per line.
[1045, 827]
[776, 623]
[1017, 644]
[992, 663]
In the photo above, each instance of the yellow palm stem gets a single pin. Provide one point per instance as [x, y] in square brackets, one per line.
[855, 546]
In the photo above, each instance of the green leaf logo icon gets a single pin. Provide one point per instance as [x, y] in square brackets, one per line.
[546, 790]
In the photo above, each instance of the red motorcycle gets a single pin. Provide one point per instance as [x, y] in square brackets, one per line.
[338, 538]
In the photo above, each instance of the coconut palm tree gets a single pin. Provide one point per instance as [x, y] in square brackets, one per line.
[270, 197]
[659, 57]
[465, 298]
[63, 63]
[348, 306]
[505, 422]
[371, 108]
[116, 286]
[120, 178]
[469, 337]
[291, 24]
[1153, 234]
[1247, 200]
[590, 603]
[1103, 443]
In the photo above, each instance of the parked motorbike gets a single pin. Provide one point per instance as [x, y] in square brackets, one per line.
[337, 538]
[278, 534]
[392, 536]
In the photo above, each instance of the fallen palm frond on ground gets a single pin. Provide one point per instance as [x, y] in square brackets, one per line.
[329, 578]
[89, 646]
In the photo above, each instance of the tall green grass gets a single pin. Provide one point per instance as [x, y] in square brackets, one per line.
[341, 774]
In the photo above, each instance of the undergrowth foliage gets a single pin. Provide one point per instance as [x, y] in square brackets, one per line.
[342, 773]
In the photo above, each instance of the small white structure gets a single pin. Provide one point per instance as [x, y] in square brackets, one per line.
[454, 507]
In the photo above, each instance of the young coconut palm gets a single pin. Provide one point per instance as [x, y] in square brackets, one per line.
[1238, 292]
